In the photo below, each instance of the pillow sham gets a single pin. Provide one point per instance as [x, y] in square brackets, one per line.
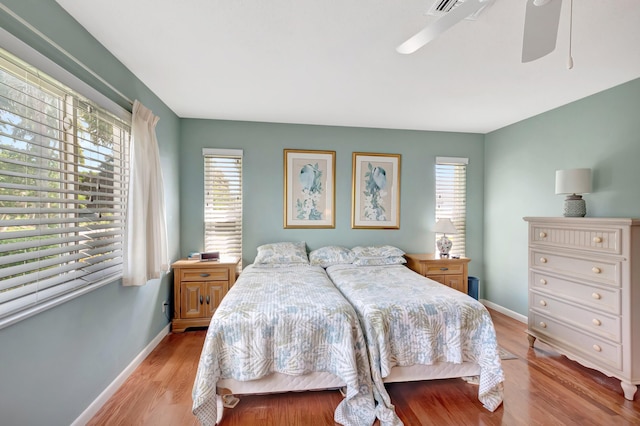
[331, 255]
[282, 253]
[376, 252]
[374, 261]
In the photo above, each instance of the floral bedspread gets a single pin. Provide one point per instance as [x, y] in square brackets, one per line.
[409, 319]
[289, 320]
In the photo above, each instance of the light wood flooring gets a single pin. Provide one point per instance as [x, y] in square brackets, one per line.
[541, 388]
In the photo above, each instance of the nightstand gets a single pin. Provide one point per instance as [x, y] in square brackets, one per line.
[198, 289]
[447, 271]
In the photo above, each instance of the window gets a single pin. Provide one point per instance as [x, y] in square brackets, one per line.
[451, 198]
[63, 173]
[223, 201]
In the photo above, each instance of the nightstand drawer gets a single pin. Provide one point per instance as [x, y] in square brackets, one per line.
[205, 274]
[444, 269]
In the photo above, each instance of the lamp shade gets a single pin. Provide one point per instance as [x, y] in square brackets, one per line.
[445, 226]
[573, 181]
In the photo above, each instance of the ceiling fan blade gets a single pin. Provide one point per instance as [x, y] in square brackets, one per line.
[445, 22]
[540, 28]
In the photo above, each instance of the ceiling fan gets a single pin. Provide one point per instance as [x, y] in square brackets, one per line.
[540, 26]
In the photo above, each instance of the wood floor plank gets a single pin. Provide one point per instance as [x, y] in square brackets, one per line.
[541, 388]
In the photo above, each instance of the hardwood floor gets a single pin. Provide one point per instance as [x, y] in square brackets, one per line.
[541, 388]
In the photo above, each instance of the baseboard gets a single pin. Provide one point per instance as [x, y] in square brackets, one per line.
[95, 406]
[505, 311]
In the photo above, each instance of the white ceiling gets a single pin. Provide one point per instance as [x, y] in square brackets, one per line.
[333, 62]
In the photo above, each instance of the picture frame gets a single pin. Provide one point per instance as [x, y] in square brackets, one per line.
[309, 189]
[375, 191]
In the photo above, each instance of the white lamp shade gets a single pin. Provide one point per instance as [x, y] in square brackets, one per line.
[573, 181]
[445, 226]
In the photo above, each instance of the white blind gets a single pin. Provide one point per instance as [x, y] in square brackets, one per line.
[63, 168]
[223, 201]
[451, 198]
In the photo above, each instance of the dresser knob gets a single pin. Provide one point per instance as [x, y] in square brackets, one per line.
[543, 281]
[597, 348]
[596, 296]
[543, 235]
[597, 240]
[543, 303]
[543, 260]
[543, 324]
[596, 270]
[596, 321]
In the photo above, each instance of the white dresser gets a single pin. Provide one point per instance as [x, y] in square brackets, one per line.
[584, 292]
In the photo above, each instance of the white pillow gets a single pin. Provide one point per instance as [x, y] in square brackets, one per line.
[331, 255]
[282, 253]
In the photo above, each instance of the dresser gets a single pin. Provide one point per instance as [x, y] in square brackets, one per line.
[584, 292]
[198, 289]
[451, 272]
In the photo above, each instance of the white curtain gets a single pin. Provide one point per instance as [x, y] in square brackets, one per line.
[146, 253]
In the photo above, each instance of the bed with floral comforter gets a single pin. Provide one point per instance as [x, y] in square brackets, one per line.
[409, 319]
[290, 320]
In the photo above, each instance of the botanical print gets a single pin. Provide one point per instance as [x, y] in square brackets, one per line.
[309, 200]
[376, 190]
[309, 189]
[375, 195]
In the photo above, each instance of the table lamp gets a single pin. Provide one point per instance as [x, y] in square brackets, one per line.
[444, 227]
[574, 182]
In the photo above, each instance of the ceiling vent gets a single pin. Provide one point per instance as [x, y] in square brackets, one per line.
[442, 7]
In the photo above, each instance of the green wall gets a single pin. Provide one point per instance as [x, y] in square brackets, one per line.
[601, 132]
[53, 365]
[263, 192]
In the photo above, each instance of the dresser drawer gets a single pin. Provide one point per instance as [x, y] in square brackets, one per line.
[597, 239]
[217, 274]
[607, 326]
[591, 347]
[606, 299]
[596, 270]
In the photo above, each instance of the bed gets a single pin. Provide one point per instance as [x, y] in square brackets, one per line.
[284, 326]
[418, 329]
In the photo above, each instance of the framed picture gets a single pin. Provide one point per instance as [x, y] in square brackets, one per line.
[376, 191]
[309, 189]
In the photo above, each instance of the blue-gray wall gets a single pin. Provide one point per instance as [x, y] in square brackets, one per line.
[53, 365]
[601, 132]
[263, 192]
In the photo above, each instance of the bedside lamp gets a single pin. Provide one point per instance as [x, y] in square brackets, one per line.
[444, 227]
[574, 182]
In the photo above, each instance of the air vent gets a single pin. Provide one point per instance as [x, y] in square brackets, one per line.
[442, 7]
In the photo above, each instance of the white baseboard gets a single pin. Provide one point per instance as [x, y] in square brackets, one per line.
[505, 311]
[95, 406]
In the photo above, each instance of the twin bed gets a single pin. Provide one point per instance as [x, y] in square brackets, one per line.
[346, 319]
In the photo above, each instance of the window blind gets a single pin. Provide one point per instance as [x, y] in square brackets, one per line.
[223, 201]
[451, 198]
[63, 174]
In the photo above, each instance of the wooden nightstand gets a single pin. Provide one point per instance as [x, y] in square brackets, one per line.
[447, 271]
[198, 289]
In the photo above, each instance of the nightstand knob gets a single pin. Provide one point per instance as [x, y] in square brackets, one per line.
[596, 296]
[543, 324]
[543, 260]
[596, 270]
[596, 321]
[543, 281]
[543, 235]
[204, 275]
[597, 240]
[444, 269]
[597, 348]
[543, 303]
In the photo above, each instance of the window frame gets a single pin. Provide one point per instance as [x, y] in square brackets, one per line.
[86, 95]
[448, 179]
